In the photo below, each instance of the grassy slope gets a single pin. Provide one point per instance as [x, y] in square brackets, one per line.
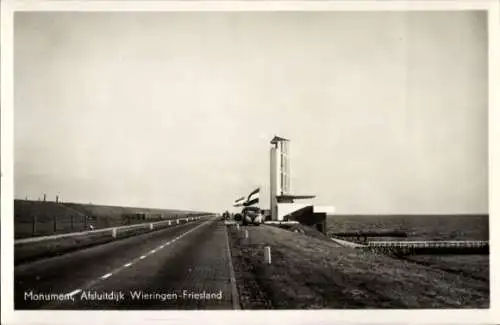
[427, 227]
[316, 273]
[474, 266]
[101, 216]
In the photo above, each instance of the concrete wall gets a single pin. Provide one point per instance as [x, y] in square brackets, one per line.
[288, 208]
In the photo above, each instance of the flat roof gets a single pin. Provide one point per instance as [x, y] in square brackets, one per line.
[290, 196]
[278, 139]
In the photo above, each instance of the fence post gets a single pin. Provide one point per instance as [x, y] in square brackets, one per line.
[54, 220]
[85, 222]
[34, 224]
[72, 222]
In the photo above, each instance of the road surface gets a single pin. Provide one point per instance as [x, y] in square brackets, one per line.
[186, 266]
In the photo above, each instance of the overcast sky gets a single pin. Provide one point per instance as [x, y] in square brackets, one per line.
[386, 112]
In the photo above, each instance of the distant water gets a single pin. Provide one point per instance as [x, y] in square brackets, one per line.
[419, 227]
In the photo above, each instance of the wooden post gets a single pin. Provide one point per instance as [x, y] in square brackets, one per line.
[34, 224]
[85, 222]
[72, 222]
[55, 222]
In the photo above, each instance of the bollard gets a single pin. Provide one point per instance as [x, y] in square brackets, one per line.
[267, 255]
[238, 226]
[246, 234]
[177, 221]
[169, 222]
[150, 226]
[113, 232]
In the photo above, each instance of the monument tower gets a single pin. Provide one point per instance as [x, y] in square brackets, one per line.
[280, 172]
[281, 197]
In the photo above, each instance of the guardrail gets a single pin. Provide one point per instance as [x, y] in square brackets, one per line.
[431, 244]
[346, 243]
[113, 230]
[291, 222]
[34, 248]
[409, 246]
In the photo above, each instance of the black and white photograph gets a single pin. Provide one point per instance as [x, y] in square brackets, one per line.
[250, 160]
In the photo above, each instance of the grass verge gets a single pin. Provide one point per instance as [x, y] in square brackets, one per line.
[308, 273]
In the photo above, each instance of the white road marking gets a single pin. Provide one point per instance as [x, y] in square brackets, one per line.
[234, 289]
[105, 276]
[72, 293]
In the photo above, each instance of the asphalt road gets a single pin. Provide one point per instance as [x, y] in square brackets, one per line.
[181, 267]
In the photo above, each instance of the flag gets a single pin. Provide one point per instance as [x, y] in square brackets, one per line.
[239, 202]
[253, 197]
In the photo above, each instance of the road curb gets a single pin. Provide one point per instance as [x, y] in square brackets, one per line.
[234, 290]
